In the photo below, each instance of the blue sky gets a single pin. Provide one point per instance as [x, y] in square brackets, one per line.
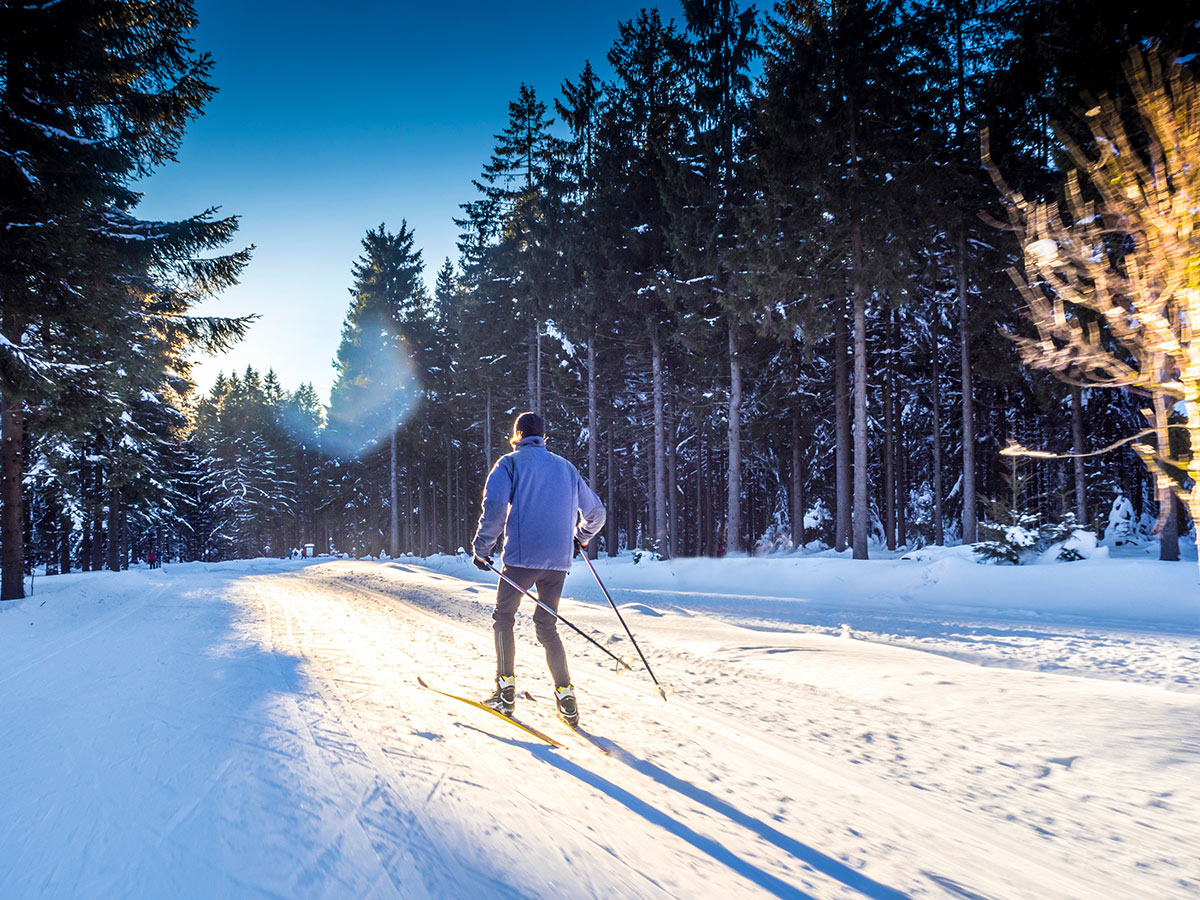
[332, 118]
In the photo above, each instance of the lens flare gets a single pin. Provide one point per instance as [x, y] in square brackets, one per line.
[384, 394]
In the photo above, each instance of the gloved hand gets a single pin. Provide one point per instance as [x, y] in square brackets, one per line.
[483, 563]
[578, 548]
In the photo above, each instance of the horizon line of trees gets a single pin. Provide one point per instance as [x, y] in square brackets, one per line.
[753, 278]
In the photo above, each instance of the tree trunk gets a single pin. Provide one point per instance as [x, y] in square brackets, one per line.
[64, 543]
[898, 456]
[939, 524]
[733, 524]
[631, 539]
[458, 509]
[889, 453]
[451, 545]
[797, 482]
[532, 367]
[672, 486]
[660, 455]
[113, 562]
[593, 428]
[902, 494]
[422, 520]
[1168, 510]
[861, 520]
[394, 531]
[1169, 536]
[97, 520]
[703, 507]
[969, 516]
[841, 417]
[1081, 515]
[85, 546]
[410, 534]
[487, 433]
[434, 527]
[51, 519]
[611, 536]
[12, 500]
[537, 403]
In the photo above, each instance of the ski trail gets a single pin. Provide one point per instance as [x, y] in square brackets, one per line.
[447, 639]
[646, 797]
[446, 866]
[73, 638]
[683, 749]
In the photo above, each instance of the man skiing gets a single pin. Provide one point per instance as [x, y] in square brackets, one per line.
[536, 498]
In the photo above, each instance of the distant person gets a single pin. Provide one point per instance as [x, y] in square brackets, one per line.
[152, 558]
[536, 498]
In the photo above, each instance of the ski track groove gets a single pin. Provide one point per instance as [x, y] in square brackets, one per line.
[269, 610]
[380, 805]
[972, 859]
[74, 638]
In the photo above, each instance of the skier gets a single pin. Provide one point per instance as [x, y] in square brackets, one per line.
[536, 498]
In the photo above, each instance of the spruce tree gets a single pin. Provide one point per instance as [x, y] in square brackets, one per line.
[377, 387]
[92, 96]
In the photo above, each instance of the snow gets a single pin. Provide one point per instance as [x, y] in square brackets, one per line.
[899, 728]
[52, 131]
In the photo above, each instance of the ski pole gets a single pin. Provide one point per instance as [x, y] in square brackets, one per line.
[661, 690]
[575, 628]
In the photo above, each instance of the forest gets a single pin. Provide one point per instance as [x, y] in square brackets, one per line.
[755, 269]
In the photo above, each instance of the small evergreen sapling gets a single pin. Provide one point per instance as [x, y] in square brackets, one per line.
[1013, 535]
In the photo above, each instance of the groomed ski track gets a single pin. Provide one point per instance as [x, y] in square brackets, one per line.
[267, 738]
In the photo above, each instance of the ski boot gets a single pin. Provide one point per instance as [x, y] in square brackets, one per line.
[504, 701]
[567, 707]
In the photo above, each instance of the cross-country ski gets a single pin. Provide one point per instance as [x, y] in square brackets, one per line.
[528, 729]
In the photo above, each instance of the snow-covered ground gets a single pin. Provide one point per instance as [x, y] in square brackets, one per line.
[255, 729]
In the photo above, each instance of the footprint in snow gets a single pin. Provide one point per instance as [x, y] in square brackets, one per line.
[1065, 761]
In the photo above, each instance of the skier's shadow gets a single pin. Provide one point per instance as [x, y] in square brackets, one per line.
[768, 882]
[713, 848]
[819, 861]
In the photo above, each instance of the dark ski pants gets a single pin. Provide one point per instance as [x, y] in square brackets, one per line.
[549, 584]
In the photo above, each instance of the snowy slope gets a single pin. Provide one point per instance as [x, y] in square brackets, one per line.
[256, 730]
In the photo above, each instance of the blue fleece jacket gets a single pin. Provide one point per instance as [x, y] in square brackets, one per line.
[536, 497]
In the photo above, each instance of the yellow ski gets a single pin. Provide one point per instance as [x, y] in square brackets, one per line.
[499, 715]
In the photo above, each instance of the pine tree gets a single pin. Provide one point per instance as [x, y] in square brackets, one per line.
[92, 97]
[377, 386]
[645, 130]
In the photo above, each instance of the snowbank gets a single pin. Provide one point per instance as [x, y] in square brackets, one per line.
[1140, 593]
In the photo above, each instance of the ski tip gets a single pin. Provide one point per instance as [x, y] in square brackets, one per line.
[421, 682]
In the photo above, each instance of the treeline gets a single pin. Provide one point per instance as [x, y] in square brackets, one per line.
[96, 328]
[751, 274]
[754, 280]
[756, 283]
